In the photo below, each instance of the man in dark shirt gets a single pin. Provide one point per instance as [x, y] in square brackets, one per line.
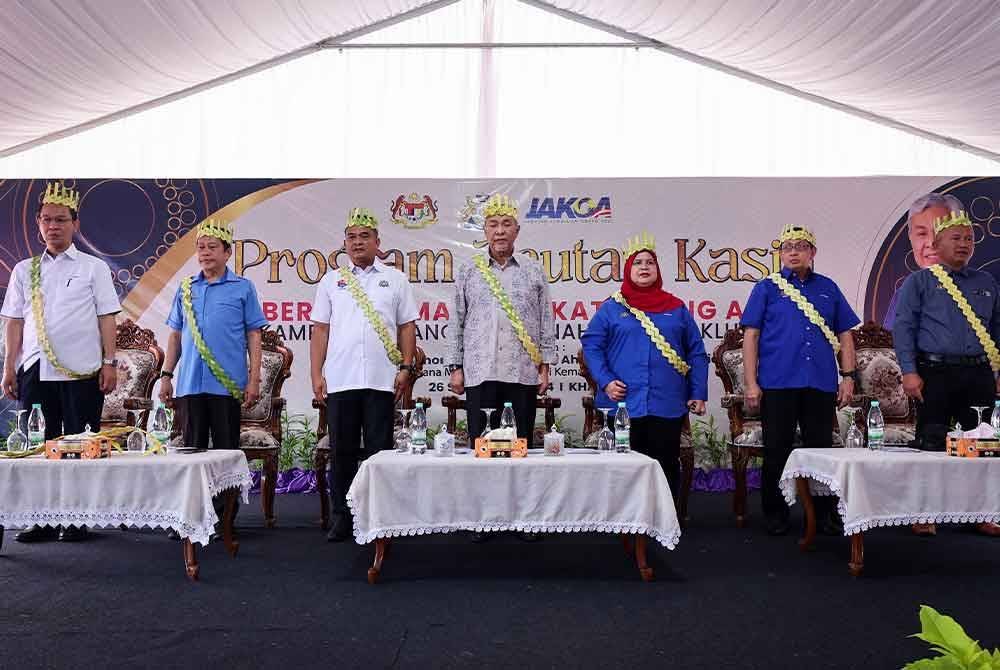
[947, 367]
[796, 381]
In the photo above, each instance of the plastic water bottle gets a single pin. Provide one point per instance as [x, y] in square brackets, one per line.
[36, 426]
[507, 418]
[161, 425]
[995, 419]
[876, 426]
[622, 426]
[418, 430]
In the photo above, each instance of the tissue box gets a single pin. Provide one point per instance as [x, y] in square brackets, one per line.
[969, 447]
[487, 448]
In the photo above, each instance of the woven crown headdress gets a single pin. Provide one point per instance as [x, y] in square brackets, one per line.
[641, 242]
[362, 216]
[56, 193]
[791, 232]
[216, 228]
[500, 204]
[953, 219]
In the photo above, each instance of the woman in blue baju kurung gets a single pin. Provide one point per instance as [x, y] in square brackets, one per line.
[629, 366]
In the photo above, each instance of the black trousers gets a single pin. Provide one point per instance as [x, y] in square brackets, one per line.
[949, 393]
[660, 439]
[781, 410]
[492, 395]
[216, 416]
[69, 407]
[349, 415]
[209, 415]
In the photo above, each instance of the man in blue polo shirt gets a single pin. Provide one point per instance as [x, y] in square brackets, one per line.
[790, 352]
[213, 382]
[948, 360]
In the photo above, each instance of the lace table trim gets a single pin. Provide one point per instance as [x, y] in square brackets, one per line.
[828, 486]
[112, 518]
[668, 540]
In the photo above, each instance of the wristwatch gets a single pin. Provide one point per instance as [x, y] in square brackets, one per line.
[452, 368]
[853, 374]
[108, 361]
[412, 369]
[167, 373]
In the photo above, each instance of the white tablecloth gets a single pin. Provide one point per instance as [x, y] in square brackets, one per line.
[402, 494]
[881, 488]
[168, 491]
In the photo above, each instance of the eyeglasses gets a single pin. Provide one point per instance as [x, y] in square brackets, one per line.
[796, 246]
[54, 220]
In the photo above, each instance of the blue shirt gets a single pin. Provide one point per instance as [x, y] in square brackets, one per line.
[616, 347]
[225, 310]
[793, 352]
[929, 321]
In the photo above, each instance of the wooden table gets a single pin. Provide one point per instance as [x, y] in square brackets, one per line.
[128, 489]
[891, 487]
[397, 495]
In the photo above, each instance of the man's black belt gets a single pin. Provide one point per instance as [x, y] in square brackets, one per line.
[940, 359]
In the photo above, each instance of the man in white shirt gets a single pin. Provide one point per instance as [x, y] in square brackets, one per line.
[363, 343]
[64, 361]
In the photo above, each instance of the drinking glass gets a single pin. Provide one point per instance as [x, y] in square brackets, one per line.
[136, 440]
[17, 440]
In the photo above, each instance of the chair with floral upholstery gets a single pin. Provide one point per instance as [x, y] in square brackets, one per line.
[746, 434]
[882, 380]
[321, 456]
[139, 360]
[592, 421]
[260, 424]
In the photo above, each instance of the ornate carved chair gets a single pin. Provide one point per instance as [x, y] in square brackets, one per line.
[139, 361]
[592, 422]
[260, 424]
[882, 380]
[746, 435]
[321, 456]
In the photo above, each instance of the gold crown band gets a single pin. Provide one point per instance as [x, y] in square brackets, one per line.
[790, 232]
[216, 228]
[362, 216]
[56, 193]
[500, 204]
[953, 219]
[642, 242]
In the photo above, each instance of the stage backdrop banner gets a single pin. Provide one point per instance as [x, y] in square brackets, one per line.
[714, 238]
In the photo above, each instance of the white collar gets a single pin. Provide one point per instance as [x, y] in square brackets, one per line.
[71, 253]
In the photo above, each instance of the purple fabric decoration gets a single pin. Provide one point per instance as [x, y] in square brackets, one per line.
[721, 480]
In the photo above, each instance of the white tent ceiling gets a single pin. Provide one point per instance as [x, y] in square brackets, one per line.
[927, 66]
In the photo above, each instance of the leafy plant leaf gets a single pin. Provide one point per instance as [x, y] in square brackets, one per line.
[942, 631]
[937, 663]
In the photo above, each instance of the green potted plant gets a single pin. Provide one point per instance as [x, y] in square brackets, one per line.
[956, 650]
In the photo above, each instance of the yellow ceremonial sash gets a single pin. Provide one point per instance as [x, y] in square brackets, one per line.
[508, 308]
[38, 311]
[970, 316]
[806, 308]
[202, 346]
[361, 298]
[656, 336]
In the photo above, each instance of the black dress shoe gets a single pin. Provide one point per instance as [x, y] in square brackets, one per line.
[73, 534]
[341, 529]
[833, 527]
[38, 534]
[777, 527]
